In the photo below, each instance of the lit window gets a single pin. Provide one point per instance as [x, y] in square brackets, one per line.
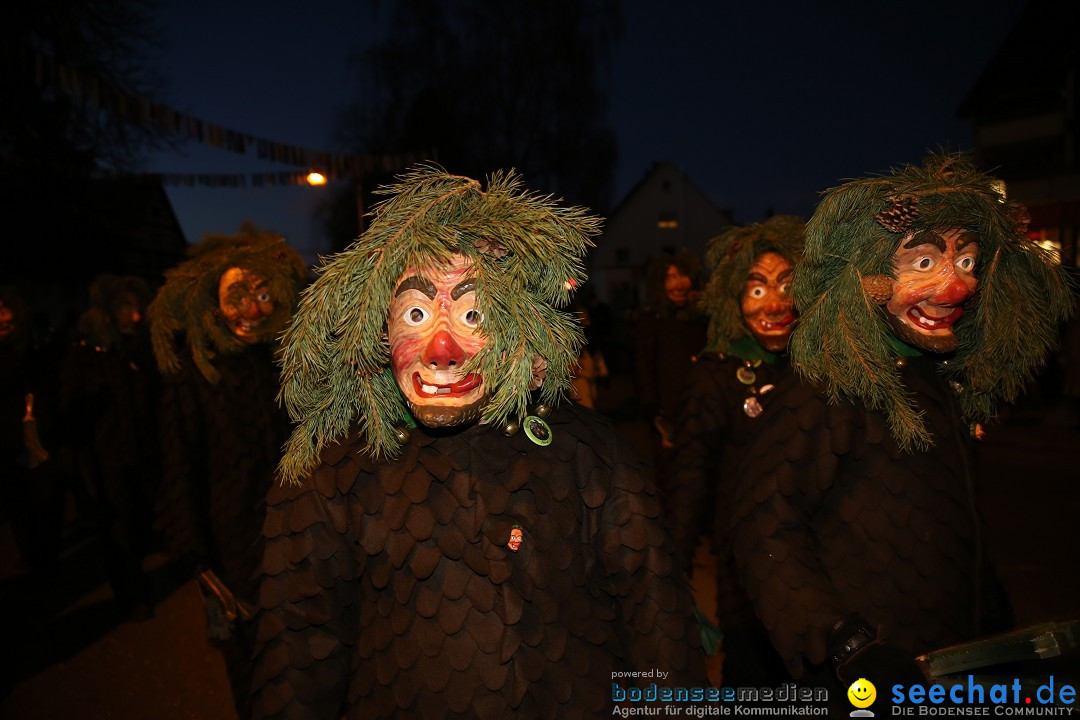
[1049, 240]
[667, 221]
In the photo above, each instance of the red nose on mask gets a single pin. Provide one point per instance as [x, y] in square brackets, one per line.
[443, 352]
[954, 293]
[251, 311]
[775, 306]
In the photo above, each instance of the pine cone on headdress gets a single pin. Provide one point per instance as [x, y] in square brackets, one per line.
[901, 212]
[490, 246]
[879, 287]
[1019, 217]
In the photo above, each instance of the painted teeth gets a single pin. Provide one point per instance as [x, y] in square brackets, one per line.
[435, 389]
[925, 321]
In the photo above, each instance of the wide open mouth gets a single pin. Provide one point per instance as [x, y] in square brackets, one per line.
[777, 326]
[247, 327]
[920, 318]
[458, 389]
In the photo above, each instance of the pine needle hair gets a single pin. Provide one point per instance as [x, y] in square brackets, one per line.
[728, 258]
[186, 309]
[842, 339]
[526, 255]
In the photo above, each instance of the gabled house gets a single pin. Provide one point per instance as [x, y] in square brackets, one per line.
[665, 211]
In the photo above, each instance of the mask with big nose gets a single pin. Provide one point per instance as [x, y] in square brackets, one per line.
[433, 330]
[935, 277]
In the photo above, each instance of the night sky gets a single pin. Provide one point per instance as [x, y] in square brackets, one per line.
[762, 104]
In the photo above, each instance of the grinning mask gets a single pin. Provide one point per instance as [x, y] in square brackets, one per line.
[433, 332]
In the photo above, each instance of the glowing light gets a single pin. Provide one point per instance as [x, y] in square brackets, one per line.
[998, 186]
[1048, 242]
[316, 178]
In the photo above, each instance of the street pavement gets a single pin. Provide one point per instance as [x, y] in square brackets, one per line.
[74, 657]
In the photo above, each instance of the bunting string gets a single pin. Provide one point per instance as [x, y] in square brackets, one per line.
[139, 110]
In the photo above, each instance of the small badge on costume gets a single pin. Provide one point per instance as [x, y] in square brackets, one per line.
[516, 538]
[537, 430]
[746, 375]
[752, 407]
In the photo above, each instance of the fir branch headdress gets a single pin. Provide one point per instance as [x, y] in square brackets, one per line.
[729, 257]
[842, 338]
[188, 302]
[526, 252]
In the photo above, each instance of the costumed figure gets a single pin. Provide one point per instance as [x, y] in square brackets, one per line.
[670, 332]
[31, 488]
[590, 369]
[922, 305]
[751, 317]
[444, 543]
[214, 326]
[108, 390]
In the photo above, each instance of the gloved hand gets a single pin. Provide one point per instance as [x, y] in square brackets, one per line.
[882, 664]
[858, 651]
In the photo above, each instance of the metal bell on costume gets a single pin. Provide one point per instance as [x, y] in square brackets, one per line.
[752, 407]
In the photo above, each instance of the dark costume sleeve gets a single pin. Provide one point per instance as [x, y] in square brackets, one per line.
[789, 467]
[181, 518]
[648, 335]
[832, 519]
[699, 445]
[655, 600]
[306, 623]
[81, 391]
[13, 390]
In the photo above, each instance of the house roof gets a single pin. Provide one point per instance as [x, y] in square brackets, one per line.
[657, 167]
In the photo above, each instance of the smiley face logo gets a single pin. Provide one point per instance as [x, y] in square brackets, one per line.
[862, 693]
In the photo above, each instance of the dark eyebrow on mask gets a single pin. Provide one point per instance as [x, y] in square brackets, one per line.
[415, 282]
[926, 237]
[463, 287]
[966, 238]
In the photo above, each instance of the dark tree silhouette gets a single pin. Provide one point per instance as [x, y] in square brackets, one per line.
[66, 62]
[480, 85]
